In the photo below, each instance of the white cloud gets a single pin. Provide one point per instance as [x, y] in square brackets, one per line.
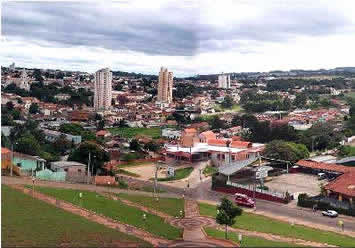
[189, 37]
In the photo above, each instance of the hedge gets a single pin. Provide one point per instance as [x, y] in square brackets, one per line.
[305, 201]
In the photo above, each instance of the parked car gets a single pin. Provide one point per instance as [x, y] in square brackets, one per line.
[330, 213]
[244, 200]
[322, 176]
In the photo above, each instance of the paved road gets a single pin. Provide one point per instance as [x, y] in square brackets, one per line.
[287, 212]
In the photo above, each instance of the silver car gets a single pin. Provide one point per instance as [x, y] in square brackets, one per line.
[330, 213]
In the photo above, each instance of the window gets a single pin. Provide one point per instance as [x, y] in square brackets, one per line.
[66, 169]
[79, 170]
[223, 157]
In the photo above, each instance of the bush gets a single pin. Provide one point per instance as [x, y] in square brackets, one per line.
[122, 184]
[263, 187]
[305, 201]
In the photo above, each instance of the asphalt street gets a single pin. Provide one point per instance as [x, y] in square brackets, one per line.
[203, 192]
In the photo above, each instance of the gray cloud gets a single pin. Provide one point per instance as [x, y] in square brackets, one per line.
[177, 28]
[111, 27]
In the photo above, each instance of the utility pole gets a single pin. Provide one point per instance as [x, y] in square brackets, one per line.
[156, 178]
[89, 162]
[12, 158]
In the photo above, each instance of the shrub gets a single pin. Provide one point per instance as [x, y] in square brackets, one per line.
[122, 184]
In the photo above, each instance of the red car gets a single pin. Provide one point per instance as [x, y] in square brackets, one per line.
[244, 200]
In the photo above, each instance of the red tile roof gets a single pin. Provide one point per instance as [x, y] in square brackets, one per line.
[324, 166]
[240, 144]
[101, 133]
[190, 130]
[344, 184]
[217, 142]
[4, 150]
[209, 135]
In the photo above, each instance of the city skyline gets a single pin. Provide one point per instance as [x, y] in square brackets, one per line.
[198, 38]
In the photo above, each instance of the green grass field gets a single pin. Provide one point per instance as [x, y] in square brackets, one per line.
[116, 210]
[247, 241]
[234, 108]
[209, 170]
[264, 224]
[29, 222]
[171, 206]
[130, 132]
[179, 174]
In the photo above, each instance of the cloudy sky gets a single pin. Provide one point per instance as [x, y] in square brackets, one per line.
[187, 36]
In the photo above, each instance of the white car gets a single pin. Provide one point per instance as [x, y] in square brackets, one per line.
[330, 213]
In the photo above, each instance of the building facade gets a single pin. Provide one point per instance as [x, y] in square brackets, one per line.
[103, 89]
[224, 81]
[165, 86]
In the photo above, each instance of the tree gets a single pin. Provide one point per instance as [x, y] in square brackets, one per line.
[227, 212]
[5, 141]
[122, 99]
[34, 108]
[217, 123]
[286, 104]
[152, 146]
[10, 106]
[28, 144]
[101, 125]
[38, 75]
[300, 100]
[98, 117]
[98, 155]
[118, 87]
[287, 151]
[71, 128]
[227, 102]
[134, 145]
[61, 144]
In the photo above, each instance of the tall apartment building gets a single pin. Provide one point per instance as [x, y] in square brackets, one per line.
[224, 81]
[103, 89]
[165, 86]
[23, 81]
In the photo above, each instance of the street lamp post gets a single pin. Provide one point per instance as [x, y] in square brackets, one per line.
[240, 237]
[109, 190]
[33, 186]
[89, 162]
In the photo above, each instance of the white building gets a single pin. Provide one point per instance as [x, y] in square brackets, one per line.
[171, 133]
[224, 81]
[12, 67]
[23, 81]
[103, 89]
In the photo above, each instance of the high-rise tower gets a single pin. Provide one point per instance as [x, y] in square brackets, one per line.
[103, 89]
[165, 86]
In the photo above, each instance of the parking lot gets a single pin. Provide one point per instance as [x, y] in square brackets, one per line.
[295, 183]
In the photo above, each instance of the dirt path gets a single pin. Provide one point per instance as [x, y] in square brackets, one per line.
[156, 241]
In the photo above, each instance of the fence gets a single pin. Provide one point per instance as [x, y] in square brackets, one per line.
[104, 180]
[251, 188]
[51, 176]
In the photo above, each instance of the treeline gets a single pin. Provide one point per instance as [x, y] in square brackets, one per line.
[46, 93]
[288, 84]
